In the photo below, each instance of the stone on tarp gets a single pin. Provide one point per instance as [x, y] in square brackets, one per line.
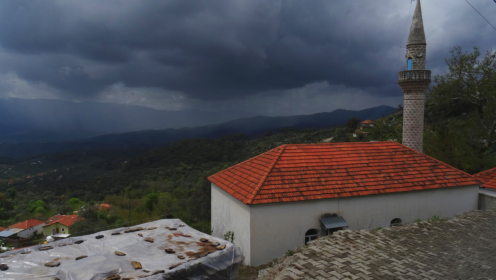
[133, 229]
[115, 233]
[170, 251]
[52, 264]
[203, 239]
[113, 277]
[136, 265]
[119, 253]
[3, 267]
[157, 272]
[81, 257]
[79, 242]
[222, 247]
[149, 239]
[44, 248]
[152, 228]
[175, 265]
[99, 236]
[140, 235]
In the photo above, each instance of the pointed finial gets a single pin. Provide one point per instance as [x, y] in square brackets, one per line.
[417, 34]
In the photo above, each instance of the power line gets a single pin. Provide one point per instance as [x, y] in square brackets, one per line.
[480, 14]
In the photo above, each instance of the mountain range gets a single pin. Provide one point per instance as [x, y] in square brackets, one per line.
[34, 135]
[42, 120]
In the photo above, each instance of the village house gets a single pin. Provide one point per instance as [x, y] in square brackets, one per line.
[2, 228]
[60, 225]
[27, 229]
[367, 123]
[104, 206]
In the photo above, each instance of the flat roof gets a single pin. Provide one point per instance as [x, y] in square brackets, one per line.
[113, 251]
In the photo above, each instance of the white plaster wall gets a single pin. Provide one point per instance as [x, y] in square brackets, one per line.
[230, 214]
[28, 233]
[279, 227]
[487, 199]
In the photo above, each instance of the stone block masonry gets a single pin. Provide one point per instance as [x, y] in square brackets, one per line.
[413, 121]
[461, 248]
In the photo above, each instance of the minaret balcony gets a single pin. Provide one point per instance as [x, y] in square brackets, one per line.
[415, 75]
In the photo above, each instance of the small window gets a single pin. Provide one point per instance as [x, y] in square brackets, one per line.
[63, 229]
[310, 235]
[409, 64]
[396, 222]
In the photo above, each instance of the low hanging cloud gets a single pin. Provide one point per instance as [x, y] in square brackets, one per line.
[263, 55]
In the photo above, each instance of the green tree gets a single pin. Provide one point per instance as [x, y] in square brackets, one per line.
[75, 203]
[340, 135]
[467, 90]
[36, 206]
[352, 124]
[12, 193]
[151, 200]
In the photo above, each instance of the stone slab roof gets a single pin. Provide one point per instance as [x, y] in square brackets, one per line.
[462, 248]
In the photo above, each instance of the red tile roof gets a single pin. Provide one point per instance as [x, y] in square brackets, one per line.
[488, 177]
[491, 184]
[104, 206]
[2, 228]
[27, 224]
[367, 121]
[66, 220]
[298, 172]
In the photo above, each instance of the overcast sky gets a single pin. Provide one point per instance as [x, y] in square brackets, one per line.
[263, 56]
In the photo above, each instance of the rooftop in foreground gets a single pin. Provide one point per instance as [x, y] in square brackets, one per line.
[462, 248]
[163, 249]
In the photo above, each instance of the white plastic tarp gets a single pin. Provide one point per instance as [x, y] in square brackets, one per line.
[203, 259]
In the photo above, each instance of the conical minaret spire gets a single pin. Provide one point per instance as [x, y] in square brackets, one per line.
[414, 81]
[417, 34]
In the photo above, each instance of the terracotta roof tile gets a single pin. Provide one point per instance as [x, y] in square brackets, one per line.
[2, 228]
[488, 177]
[297, 172]
[27, 224]
[66, 220]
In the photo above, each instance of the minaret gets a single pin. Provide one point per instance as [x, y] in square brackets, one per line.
[414, 82]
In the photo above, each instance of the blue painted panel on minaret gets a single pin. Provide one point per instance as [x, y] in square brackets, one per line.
[409, 64]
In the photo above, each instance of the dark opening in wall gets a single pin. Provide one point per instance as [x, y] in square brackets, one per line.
[396, 222]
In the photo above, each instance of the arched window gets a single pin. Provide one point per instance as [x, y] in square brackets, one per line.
[311, 234]
[63, 229]
[409, 64]
[396, 222]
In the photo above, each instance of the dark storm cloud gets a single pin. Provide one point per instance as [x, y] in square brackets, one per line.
[212, 50]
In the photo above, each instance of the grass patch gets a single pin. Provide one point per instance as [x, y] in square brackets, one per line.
[437, 219]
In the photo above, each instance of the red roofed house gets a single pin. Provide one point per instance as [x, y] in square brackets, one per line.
[367, 123]
[60, 224]
[487, 198]
[104, 206]
[2, 228]
[281, 199]
[28, 228]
